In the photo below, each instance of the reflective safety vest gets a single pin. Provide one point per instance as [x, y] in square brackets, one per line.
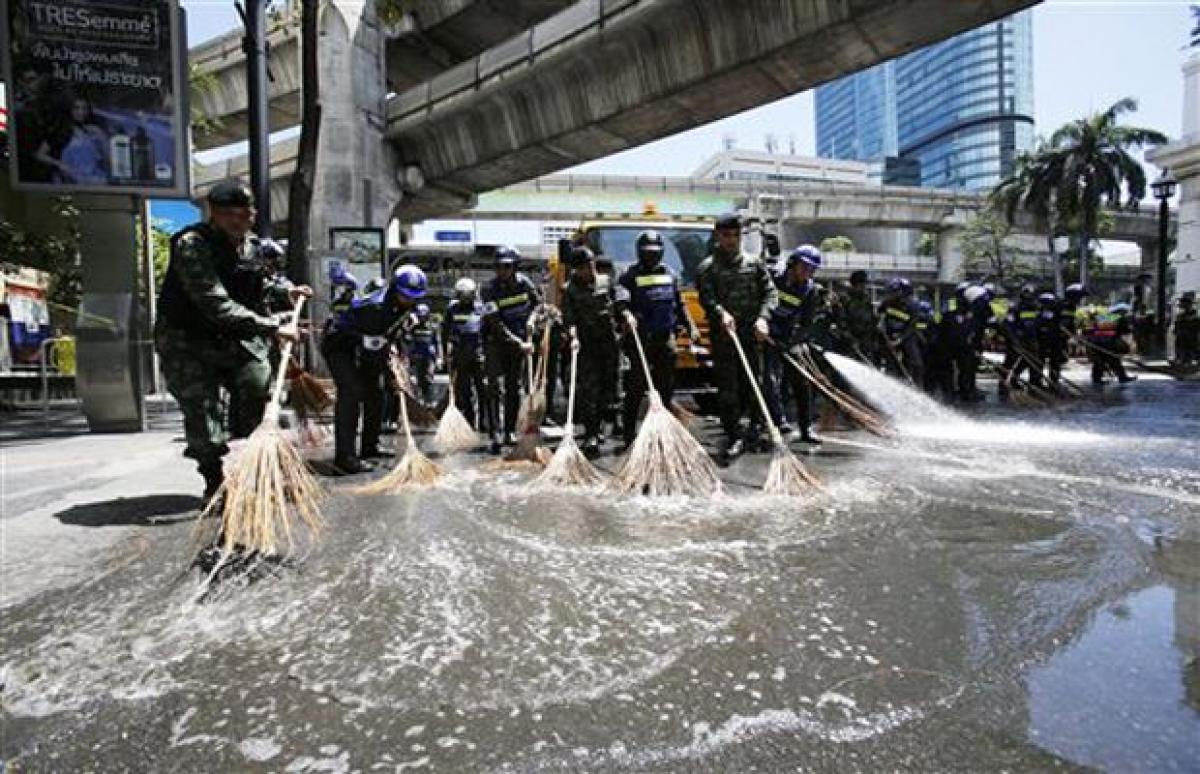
[512, 301]
[422, 341]
[653, 298]
[794, 307]
[897, 320]
[466, 324]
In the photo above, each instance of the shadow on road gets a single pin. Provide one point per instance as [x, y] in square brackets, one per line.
[149, 511]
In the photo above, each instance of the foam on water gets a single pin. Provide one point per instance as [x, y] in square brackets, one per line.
[915, 414]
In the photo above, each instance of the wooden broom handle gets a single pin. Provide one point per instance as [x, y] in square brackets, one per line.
[762, 402]
[285, 357]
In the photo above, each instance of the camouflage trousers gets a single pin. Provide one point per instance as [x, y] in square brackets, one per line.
[195, 372]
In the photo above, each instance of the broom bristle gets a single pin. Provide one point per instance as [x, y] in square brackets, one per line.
[268, 495]
[568, 467]
[788, 476]
[413, 471]
[665, 459]
[454, 433]
[528, 449]
[307, 395]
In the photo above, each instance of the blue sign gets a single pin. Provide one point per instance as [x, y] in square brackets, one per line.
[452, 236]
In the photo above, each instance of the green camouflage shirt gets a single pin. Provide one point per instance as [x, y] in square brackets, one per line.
[217, 292]
[740, 285]
[589, 308]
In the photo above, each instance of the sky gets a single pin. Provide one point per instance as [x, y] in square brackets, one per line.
[1087, 55]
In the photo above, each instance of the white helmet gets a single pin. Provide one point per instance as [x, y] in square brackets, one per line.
[465, 287]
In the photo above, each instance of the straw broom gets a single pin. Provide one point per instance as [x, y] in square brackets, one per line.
[859, 413]
[569, 467]
[533, 410]
[414, 470]
[268, 493]
[665, 458]
[786, 475]
[454, 433]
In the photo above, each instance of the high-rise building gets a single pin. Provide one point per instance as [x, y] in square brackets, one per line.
[960, 110]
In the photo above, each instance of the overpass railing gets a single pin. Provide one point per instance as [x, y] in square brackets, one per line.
[583, 17]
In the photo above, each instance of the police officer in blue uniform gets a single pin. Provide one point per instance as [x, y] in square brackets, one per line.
[423, 351]
[898, 314]
[509, 301]
[649, 290]
[462, 332]
[790, 327]
[356, 349]
[1020, 332]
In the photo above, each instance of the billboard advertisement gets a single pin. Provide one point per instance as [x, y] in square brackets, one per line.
[96, 96]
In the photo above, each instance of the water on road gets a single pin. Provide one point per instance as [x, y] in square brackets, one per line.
[984, 592]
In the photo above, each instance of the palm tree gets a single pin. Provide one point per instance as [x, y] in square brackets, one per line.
[1086, 164]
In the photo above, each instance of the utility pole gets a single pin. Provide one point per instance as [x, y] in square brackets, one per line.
[255, 46]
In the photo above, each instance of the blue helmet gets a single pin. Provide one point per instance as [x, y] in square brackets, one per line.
[925, 307]
[270, 250]
[899, 285]
[1119, 308]
[1047, 299]
[506, 254]
[1075, 291]
[806, 254]
[339, 277]
[409, 281]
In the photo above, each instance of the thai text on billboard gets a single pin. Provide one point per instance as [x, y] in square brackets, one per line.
[95, 96]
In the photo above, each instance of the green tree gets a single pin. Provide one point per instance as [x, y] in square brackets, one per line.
[985, 248]
[837, 244]
[1085, 165]
[54, 253]
[927, 245]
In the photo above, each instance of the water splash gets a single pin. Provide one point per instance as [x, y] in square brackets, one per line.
[915, 414]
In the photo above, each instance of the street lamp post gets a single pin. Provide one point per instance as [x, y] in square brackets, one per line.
[1164, 189]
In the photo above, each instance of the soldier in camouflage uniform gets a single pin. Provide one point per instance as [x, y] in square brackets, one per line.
[216, 319]
[587, 314]
[856, 322]
[738, 296]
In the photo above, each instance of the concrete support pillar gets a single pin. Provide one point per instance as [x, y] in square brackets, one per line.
[356, 186]
[950, 257]
[109, 329]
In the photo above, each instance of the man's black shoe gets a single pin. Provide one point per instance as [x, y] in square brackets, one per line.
[591, 447]
[732, 449]
[351, 466]
[495, 445]
[807, 436]
[378, 453]
[509, 440]
[1127, 379]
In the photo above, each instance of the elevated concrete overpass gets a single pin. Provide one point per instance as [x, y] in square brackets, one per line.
[433, 36]
[606, 75]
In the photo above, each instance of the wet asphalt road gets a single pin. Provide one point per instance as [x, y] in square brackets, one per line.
[980, 594]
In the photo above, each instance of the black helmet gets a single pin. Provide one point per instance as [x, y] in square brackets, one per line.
[1028, 291]
[649, 244]
[1075, 291]
[727, 221]
[858, 277]
[580, 255]
[507, 255]
[270, 250]
[230, 193]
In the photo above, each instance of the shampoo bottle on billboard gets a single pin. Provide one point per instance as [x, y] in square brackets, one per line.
[119, 159]
[143, 155]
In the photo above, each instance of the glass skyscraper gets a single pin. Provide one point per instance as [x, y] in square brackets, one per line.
[951, 115]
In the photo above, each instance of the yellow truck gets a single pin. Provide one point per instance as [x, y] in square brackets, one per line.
[687, 242]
